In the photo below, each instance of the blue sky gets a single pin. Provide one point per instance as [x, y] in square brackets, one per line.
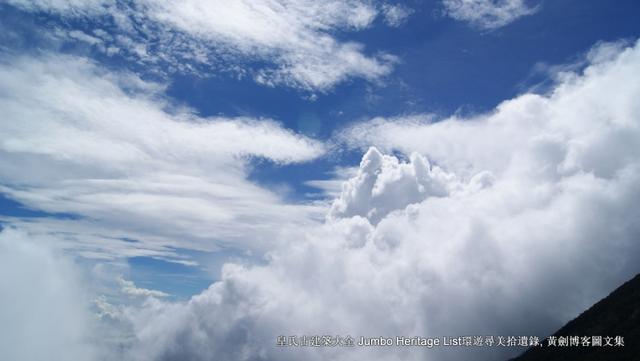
[444, 67]
[221, 150]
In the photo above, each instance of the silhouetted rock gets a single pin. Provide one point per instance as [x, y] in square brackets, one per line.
[616, 315]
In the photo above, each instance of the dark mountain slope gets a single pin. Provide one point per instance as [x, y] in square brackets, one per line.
[616, 315]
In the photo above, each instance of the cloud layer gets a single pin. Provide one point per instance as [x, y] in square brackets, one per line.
[527, 216]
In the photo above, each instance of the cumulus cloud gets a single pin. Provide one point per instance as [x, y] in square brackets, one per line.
[383, 184]
[511, 223]
[129, 288]
[488, 14]
[108, 149]
[296, 37]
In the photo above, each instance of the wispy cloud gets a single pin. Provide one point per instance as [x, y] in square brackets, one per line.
[109, 149]
[294, 41]
[396, 15]
[488, 14]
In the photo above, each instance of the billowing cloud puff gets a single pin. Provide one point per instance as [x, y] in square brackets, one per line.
[129, 288]
[293, 39]
[383, 185]
[542, 223]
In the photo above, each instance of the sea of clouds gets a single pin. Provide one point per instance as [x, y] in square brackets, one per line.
[505, 223]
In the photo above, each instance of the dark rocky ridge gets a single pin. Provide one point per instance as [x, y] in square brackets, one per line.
[616, 315]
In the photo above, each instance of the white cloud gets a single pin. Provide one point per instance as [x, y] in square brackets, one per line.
[99, 241]
[107, 147]
[43, 314]
[539, 222]
[550, 136]
[295, 36]
[508, 223]
[332, 187]
[105, 309]
[383, 185]
[395, 15]
[295, 33]
[67, 7]
[129, 288]
[488, 14]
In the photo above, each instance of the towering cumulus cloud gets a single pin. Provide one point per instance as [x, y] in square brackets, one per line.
[507, 223]
[383, 184]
